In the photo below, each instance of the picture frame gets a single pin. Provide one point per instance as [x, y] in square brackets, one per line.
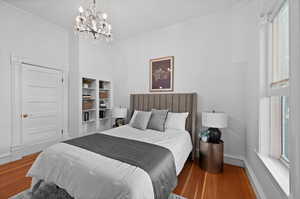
[161, 74]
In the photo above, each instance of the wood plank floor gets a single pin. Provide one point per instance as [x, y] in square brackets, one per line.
[193, 182]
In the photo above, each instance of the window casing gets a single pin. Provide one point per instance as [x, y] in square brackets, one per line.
[274, 105]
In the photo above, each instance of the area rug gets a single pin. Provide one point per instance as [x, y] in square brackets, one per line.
[51, 191]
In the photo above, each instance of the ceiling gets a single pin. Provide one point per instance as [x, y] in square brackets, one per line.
[128, 17]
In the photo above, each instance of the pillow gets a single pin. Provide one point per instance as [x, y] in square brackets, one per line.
[176, 121]
[133, 116]
[141, 120]
[158, 119]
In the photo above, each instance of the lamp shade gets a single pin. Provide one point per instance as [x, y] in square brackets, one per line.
[120, 112]
[214, 120]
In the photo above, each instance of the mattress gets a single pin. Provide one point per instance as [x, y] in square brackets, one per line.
[87, 175]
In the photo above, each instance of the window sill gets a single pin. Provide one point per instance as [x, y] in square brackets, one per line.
[278, 171]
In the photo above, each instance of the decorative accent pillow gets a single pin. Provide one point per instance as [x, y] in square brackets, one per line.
[158, 120]
[133, 116]
[141, 120]
[176, 120]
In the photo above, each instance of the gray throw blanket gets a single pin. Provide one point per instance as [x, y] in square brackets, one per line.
[157, 161]
[43, 190]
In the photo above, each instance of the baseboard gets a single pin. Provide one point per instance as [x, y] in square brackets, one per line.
[241, 162]
[5, 155]
[33, 148]
[229, 159]
[254, 181]
[234, 160]
[5, 158]
[17, 152]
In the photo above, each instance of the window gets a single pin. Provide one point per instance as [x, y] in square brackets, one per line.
[275, 106]
[279, 119]
[280, 47]
[280, 81]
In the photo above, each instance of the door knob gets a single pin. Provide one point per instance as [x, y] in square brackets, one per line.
[25, 115]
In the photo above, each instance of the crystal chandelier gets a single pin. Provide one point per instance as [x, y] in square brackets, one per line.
[92, 23]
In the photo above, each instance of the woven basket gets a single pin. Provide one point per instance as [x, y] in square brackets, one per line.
[103, 95]
[87, 105]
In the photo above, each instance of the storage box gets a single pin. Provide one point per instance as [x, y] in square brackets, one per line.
[87, 105]
[103, 95]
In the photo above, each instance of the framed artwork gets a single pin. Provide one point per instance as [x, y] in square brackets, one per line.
[162, 74]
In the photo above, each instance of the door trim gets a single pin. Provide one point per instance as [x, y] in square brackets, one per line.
[16, 104]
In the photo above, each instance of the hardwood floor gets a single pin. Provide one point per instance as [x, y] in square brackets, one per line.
[193, 182]
[233, 183]
[12, 176]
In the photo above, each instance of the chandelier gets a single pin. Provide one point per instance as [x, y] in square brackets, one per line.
[92, 23]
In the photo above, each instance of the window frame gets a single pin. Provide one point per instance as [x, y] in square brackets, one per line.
[269, 142]
[275, 91]
[284, 159]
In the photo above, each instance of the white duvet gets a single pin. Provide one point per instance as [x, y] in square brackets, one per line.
[87, 175]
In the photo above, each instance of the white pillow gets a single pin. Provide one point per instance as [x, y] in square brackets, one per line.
[134, 115]
[132, 118]
[176, 120]
[141, 120]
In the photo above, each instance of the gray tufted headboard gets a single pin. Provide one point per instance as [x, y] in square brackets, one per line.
[174, 102]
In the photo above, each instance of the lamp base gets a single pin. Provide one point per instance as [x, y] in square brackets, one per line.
[119, 122]
[214, 135]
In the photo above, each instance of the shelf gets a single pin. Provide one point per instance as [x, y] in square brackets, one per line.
[105, 118]
[104, 89]
[88, 79]
[92, 89]
[88, 110]
[90, 121]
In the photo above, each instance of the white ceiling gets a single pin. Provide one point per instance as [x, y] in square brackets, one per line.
[128, 17]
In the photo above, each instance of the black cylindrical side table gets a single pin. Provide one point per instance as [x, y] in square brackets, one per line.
[211, 156]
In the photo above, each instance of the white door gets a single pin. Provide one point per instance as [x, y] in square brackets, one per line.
[41, 106]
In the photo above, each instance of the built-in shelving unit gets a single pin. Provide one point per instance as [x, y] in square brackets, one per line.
[89, 105]
[105, 105]
[96, 110]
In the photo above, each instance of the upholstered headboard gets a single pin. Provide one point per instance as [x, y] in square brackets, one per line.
[174, 102]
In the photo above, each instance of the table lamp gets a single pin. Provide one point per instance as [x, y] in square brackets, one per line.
[120, 114]
[214, 121]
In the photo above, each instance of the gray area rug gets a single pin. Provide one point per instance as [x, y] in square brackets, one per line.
[51, 191]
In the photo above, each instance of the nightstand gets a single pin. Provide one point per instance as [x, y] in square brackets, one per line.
[211, 156]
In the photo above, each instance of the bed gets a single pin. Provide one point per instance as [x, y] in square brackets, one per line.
[88, 175]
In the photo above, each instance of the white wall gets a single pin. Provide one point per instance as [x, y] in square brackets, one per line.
[209, 59]
[27, 36]
[95, 59]
[74, 83]
[92, 59]
[216, 56]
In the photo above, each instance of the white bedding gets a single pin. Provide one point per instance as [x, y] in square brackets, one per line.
[87, 175]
